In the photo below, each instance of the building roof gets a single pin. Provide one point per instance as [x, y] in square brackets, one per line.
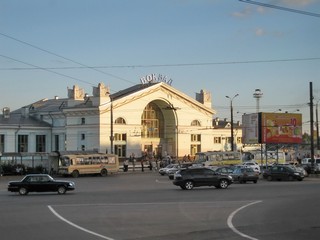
[17, 119]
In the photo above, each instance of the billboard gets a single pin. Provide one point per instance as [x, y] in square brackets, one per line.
[250, 128]
[281, 128]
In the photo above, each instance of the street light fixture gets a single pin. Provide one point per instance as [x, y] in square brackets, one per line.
[231, 110]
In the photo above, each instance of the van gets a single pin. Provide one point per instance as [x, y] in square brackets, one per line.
[307, 161]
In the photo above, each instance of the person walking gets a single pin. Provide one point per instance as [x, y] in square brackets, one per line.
[142, 165]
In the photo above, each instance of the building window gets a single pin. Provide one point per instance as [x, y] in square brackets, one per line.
[120, 137]
[83, 121]
[120, 120]
[152, 122]
[195, 123]
[22, 143]
[1, 143]
[217, 139]
[83, 136]
[56, 142]
[83, 147]
[120, 150]
[40, 143]
[194, 148]
[195, 137]
[239, 140]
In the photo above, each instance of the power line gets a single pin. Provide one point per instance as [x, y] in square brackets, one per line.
[57, 55]
[48, 70]
[281, 8]
[173, 65]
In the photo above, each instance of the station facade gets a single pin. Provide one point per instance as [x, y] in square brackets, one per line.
[148, 118]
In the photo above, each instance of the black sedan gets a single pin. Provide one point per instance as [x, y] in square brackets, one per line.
[40, 183]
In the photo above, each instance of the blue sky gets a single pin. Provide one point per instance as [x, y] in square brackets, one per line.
[227, 47]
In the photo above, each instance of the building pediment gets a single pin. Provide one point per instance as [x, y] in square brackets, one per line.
[162, 91]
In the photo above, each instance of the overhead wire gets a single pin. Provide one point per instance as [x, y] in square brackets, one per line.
[60, 56]
[44, 69]
[281, 8]
[174, 65]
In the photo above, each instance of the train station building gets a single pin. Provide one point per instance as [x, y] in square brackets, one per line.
[151, 118]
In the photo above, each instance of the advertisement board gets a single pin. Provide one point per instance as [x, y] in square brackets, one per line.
[250, 128]
[281, 128]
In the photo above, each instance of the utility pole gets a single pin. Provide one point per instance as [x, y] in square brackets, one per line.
[311, 126]
[231, 109]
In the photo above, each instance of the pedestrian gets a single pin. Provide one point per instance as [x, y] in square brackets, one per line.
[142, 166]
[125, 165]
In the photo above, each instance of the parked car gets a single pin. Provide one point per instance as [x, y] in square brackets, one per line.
[189, 178]
[40, 183]
[245, 174]
[255, 166]
[308, 162]
[283, 172]
[163, 171]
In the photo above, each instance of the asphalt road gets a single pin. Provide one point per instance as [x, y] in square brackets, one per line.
[147, 206]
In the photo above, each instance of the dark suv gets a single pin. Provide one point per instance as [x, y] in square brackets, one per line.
[197, 177]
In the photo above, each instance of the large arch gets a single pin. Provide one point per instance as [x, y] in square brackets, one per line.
[159, 129]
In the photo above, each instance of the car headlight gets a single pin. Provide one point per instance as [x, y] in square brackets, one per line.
[71, 184]
[296, 173]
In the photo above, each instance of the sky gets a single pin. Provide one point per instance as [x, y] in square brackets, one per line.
[226, 47]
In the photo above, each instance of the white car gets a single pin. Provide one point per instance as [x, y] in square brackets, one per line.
[255, 166]
[163, 171]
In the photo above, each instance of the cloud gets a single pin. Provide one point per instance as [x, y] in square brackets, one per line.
[247, 11]
[260, 32]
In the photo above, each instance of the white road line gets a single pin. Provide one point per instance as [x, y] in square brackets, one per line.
[76, 226]
[233, 214]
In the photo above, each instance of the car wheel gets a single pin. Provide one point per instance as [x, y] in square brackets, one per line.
[75, 173]
[104, 173]
[188, 185]
[23, 191]
[223, 184]
[255, 181]
[62, 190]
[269, 178]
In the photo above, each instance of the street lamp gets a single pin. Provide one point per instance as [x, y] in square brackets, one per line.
[231, 109]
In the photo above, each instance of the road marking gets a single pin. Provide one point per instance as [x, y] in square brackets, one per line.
[77, 226]
[233, 214]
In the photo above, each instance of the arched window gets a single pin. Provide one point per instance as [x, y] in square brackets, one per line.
[195, 123]
[152, 122]
[120, 120]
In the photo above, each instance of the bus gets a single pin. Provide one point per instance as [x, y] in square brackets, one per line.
[80, 164]
[214, 158]
[265, 158]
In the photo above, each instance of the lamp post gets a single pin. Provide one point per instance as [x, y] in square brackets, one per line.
[231, 109]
